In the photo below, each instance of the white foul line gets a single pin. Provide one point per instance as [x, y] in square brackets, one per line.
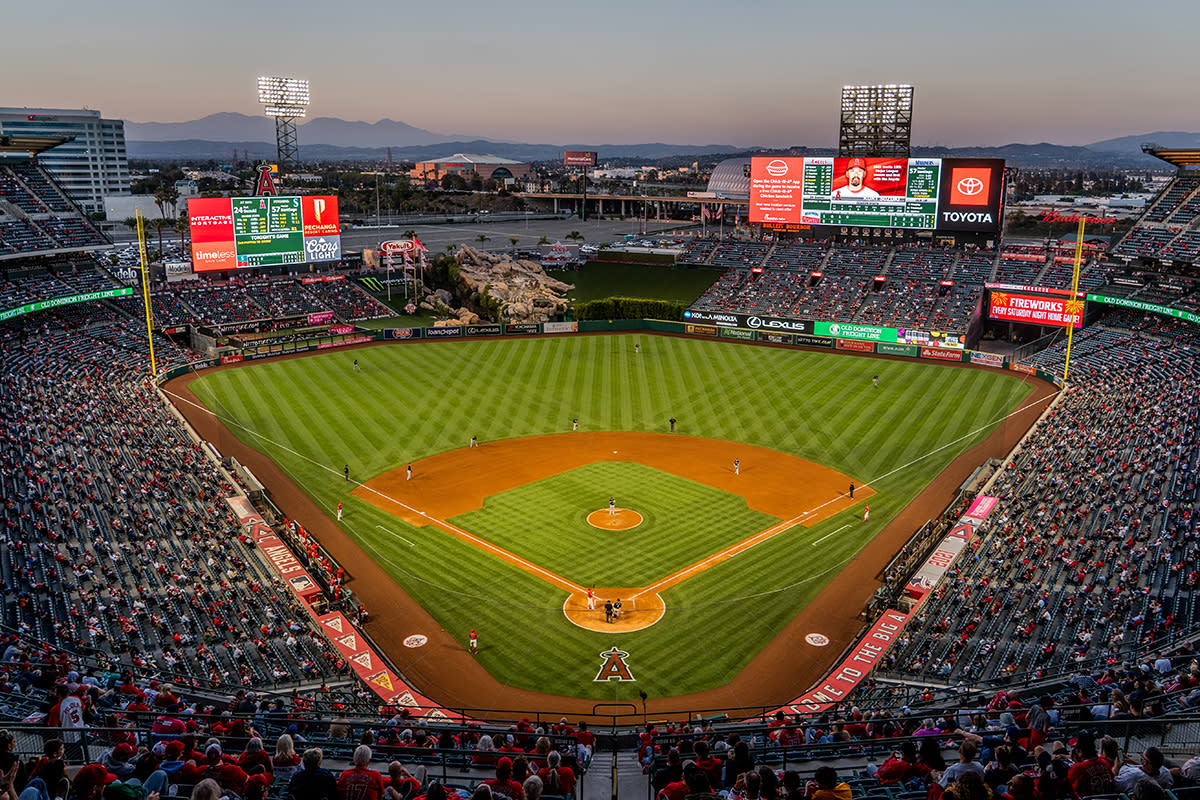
[398, 536]
[826, 536]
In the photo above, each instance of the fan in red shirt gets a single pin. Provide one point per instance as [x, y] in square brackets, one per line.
[360, 782]
[503, 785]
[255, 759]
[556, 779]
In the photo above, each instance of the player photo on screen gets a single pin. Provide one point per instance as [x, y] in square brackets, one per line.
[870, 180]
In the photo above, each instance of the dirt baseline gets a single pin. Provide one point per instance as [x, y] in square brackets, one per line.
[446, 671]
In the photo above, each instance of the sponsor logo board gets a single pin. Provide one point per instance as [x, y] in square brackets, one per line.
[447, 332]
[987, 359]
[885, 348]
[402, 333]
[856, 345]
[560, 327]
[744, 335]
[522, 328]
[810, 341]
[1059, 312]
[1025, 368]
[940, 354]
[483, 330]
[701, 330]
[842, 330]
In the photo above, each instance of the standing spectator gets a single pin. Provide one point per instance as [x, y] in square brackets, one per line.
[360, 782]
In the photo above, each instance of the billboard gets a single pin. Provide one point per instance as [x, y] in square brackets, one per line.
[579, 158]
[956, 194]
[240, 232]
[1048, 310]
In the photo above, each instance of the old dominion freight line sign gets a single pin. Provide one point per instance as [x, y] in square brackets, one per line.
[42, 305]
[1138, 305]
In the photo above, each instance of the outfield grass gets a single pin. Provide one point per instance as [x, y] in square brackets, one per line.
[598, 280]
[412, 400]
[549, 518]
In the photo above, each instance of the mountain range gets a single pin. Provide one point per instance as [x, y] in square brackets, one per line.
[217, 136]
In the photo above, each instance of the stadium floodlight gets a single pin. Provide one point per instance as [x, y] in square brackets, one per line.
[876, 120]
[283, 97]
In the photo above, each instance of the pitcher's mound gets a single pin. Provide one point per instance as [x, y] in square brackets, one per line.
[621, 520]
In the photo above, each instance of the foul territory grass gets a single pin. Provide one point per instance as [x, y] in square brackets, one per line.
[412, 400]
[549, 518]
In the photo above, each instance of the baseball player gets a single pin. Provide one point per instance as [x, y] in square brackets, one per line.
[866, 512]
[356, 369]
[346, 472]
[612, 506]
[852, 490]
[409, 478]
[737, 466]
[339, 511]
[575, 424]
[875, 381]
[473, 640]
[591, 599]
[474, 442]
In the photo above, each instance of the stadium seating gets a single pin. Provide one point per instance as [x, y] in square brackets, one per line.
[1172, 200]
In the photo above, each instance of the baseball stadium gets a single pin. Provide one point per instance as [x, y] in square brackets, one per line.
[858, 473]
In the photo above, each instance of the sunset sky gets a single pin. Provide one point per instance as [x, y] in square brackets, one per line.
[625, 71]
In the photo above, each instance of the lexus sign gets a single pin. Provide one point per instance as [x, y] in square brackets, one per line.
[752, 322]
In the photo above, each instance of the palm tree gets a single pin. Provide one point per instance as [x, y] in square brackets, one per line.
[165, 196]
[181, 227]
[514, 241]
[410, 234]
[481, 238]
[574, 236]
[543, 241]
[159, 225]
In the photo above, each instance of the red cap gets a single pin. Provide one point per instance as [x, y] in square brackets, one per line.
[174, 750]
[124, 751]
[860, 163]
[94, 775]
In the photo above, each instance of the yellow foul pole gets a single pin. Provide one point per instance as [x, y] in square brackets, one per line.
[1074, 290]
[141, 234]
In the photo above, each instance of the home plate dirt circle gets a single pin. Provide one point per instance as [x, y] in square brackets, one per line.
[621, 520]
[638, 611]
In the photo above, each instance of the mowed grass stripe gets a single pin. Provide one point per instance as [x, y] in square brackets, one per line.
[815, 405]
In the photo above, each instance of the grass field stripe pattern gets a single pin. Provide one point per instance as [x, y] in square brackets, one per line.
[416, 400]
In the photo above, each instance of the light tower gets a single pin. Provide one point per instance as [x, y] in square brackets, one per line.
[285, 99]
[876, 120]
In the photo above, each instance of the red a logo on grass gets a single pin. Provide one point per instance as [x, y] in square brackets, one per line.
[614, 667]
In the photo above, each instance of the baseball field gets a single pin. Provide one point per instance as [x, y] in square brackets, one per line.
[711, 561]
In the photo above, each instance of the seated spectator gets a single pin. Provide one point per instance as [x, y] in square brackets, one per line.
[482, 792]
[669, 773]
[969, 786]
[556, 779]
[254, 759]
[503, 785]
[286, 760]
[400, 783]
[532, 787]
[206, 790]
[966, 763]
[50, 782]
[711, 765]
[1020, 787]
[902, 766]
[360, 782]
[119, 760]
[1151, 767]
[826, 786]
[89, 783]
[1090, 774]
[484, 755]
[997, 773]
[313, 782]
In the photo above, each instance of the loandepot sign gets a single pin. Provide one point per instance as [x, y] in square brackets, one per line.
[841, 330]
[42, 305]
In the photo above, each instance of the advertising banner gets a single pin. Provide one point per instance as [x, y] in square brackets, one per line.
[340, 330]
[1021, 288]
[1053, 311]
[57, 302]
[771, 337]
[448, 332]
[747, 336]
[987, 359]
[843, 330]
[402, 333]
[939, 354]
[233, 358]
[483, 330]
[240, 232]
[941, 559]
[560, 327]
[344, 342]
[320, 318]
[579, 158]
[805, 341]
[857, 665]
[883, 348]
[297, 578]
[1152, 308]
[701, 330]
[1025, 368]
[522, 328]
[971, 195]
[323, 278]
[855, 345]
[750, 321]
[981, 506]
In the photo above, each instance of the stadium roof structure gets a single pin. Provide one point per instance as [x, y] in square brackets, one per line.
[1186, 158]
[12, 144]
[472, 158]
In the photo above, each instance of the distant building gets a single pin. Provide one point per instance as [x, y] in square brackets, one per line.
[88, 168]
[465, 164]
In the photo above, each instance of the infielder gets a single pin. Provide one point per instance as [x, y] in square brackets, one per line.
[612, 506]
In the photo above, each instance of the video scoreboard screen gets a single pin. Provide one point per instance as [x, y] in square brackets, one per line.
[243, 232]
[914, 193]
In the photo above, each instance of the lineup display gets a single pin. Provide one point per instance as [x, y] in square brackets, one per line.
[913, 193]
[241, 232]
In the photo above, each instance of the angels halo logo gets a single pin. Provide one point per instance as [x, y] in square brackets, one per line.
[777, 168]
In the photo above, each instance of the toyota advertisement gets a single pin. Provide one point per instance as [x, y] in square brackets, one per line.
[241, 232]
[953, 194]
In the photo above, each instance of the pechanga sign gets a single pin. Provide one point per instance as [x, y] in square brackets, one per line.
[42, 305]
[1166, 311]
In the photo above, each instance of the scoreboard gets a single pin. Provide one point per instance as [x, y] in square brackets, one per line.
[242, 232]
[913, 193]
